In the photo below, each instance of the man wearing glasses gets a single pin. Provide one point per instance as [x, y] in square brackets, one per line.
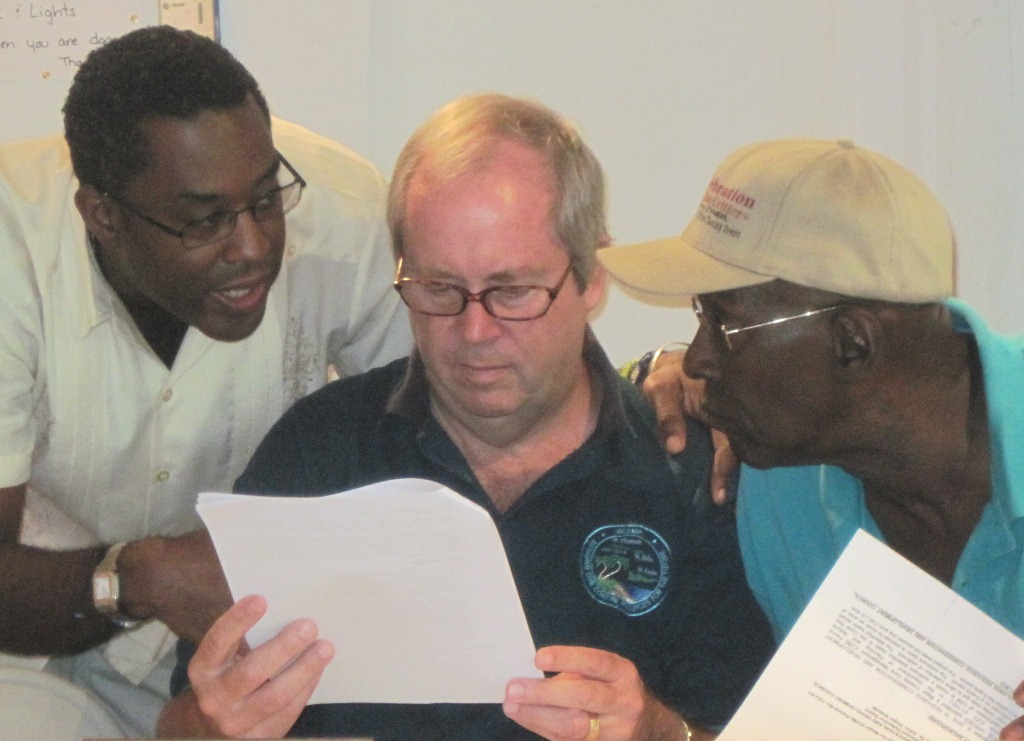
[630, 578]
[171, 285]
[857, 391]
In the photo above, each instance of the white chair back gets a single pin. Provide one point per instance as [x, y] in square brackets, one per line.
[38, 706]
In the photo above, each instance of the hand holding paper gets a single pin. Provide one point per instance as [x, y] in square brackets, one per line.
[251, 694]
[406, 578]
[885, 651]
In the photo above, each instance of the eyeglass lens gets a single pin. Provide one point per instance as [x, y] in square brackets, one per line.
[273, 205]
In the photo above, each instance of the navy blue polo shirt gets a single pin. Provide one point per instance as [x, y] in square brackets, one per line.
[617, 547]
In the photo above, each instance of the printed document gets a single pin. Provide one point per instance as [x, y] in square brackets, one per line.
[408, 579]
[885, 651]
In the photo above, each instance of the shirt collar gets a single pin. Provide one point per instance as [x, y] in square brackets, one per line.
[1001, 361]
[84, 280]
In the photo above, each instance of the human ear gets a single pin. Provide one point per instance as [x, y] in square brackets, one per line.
[855, 333]
[100, 217]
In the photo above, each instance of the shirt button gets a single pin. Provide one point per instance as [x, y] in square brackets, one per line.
[167, 395]
[291, 250]
[163, 476]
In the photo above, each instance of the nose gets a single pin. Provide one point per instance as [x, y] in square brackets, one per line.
[251, 240]
[476, 324]
[701, 360]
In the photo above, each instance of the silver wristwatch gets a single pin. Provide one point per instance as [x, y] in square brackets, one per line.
[106, 589]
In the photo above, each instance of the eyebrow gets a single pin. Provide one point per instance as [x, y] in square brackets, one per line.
[198, 197]
[501, 278]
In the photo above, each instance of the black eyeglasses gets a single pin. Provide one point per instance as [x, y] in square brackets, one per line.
[724, 332]
[271, 205]
[510, 302]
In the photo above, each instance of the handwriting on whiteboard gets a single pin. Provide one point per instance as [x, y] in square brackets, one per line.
[50, 40]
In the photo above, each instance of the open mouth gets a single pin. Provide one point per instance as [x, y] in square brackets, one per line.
[244, 299]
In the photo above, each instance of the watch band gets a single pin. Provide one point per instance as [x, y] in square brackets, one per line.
[106, 589]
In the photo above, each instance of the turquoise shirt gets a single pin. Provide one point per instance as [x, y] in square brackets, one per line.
[794, 522]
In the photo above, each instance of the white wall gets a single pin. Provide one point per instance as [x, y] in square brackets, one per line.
[663, 89]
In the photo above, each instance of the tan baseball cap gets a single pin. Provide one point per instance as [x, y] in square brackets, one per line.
[823, 214]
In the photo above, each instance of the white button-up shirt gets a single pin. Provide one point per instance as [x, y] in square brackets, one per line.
[112, 444]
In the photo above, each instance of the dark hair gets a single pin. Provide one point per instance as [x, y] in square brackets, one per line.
[157, 71]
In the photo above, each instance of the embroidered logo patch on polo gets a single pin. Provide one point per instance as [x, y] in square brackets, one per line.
[626, 566]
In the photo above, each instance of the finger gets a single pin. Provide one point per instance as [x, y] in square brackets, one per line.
[258, 690]
[271, 659]
[280, 724]
[277, 704]
[549, 722]
[222, 642]
[674, 396]
[1013, 732]
[666, 396]
[588, 696]
[724, 470]
[693, 395]
[591, 663]
[673, 433]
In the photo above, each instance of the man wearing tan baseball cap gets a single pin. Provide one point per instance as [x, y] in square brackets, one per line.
[856, 391]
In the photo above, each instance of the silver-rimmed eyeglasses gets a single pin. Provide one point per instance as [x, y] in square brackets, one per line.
[273, 204]
[726, 332]
[512, 303]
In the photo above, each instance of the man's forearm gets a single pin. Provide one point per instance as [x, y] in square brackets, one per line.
[175, 579]
[46, 605]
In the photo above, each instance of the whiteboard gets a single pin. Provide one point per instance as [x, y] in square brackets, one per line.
[40, 41]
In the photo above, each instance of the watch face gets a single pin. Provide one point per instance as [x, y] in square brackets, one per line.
[106, 589]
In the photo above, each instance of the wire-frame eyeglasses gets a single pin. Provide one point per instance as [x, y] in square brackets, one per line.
[725, 332]
[272, 205]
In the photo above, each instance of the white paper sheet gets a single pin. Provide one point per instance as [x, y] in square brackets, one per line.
[407, 578]
[885, 651]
